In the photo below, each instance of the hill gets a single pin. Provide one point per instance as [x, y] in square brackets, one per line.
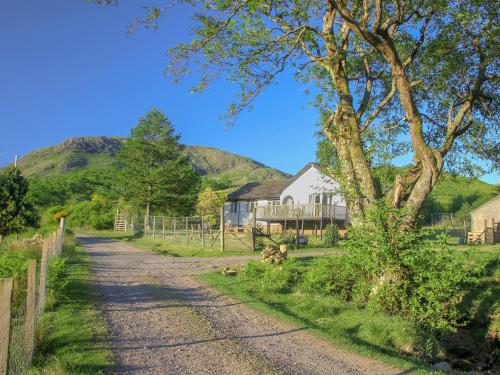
[80, 153]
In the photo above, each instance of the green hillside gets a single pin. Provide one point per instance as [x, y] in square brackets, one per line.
[457, 193]
[82, 153]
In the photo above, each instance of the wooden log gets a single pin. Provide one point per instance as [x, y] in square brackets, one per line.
[5, 296]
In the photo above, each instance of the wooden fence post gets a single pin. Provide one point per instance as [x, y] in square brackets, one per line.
[187, 231]
[29, 337]
[297, 232]
[163, 227]
[5, 295]
[42, 289]
[202, 232]
[222, 230]
[154, 227]
[175, 230]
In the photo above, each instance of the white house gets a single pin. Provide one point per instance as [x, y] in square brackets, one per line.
[310, 199]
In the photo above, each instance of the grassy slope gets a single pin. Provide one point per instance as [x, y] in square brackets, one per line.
[71, 336]
[452, 191]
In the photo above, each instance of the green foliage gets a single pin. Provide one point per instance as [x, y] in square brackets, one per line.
[285, 237]
[98, 213]
[209, 203]
[331, 235]
[399, 272]
[74, 187]
[16, 210]
[57, 280]
[156, 170]
[272, 278]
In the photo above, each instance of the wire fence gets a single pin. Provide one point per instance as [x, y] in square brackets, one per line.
[22, 301]
[196, 232]
[454, 226]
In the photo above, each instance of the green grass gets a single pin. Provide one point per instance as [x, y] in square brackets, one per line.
[71, 337]
[177, 250]
[370, 331]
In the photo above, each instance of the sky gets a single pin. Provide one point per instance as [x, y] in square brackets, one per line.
[68, 68]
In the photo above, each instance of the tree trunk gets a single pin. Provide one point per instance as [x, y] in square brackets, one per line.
[355, 174]
[418, 183]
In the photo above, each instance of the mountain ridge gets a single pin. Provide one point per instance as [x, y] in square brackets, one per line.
[87, 152]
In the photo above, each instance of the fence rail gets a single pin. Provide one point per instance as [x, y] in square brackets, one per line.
[18, 320]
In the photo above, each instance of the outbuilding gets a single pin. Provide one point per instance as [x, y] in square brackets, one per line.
[485, 221]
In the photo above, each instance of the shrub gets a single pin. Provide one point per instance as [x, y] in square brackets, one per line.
[97, 213]
[397, 271]
[285, 237]
[331, 235]
[272, 278]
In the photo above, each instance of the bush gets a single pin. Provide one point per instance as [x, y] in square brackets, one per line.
[97, 213]
[397, 271]
[331, 235]
[285, 237]
[272, 278]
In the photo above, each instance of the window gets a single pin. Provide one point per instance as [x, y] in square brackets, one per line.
[251, 206]
[234, 207]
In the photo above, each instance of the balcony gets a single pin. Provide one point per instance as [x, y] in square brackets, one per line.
[311, 211]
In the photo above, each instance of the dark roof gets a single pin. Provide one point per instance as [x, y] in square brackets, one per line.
[270, 190]
[255, 191]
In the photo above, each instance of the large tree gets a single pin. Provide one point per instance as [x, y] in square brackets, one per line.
[416, 75]
[157, 172]
[16, 210]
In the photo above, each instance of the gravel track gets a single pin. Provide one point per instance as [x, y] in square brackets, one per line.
[163, 320]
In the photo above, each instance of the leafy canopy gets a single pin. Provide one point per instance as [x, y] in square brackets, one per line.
[16, 210]
[156, 170]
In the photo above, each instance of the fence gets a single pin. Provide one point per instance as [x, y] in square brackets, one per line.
[455, 226]
[19, 317]
[204, 232]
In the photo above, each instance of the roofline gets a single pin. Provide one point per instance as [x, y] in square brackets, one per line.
[300, 173]
[485, 203]
[289, 182]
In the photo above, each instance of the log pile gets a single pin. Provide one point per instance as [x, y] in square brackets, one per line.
[274, 255]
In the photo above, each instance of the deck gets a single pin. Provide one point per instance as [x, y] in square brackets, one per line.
[311, 211]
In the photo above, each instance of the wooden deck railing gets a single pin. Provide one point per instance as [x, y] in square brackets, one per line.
[301, 211]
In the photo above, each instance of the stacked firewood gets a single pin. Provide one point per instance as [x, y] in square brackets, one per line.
[273, 254]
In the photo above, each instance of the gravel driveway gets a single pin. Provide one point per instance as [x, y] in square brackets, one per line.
[162, 320]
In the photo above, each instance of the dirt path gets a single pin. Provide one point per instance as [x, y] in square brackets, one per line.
[162, 320]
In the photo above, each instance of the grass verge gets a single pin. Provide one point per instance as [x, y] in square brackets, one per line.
[370, 334]
[178, 250]
[71, 337]
[367, 330]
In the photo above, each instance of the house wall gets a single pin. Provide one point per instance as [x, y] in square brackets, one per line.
[490, 210]
[243, 215]
[310, 182]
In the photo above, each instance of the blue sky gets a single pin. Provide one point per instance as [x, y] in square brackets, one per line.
[68, 68]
